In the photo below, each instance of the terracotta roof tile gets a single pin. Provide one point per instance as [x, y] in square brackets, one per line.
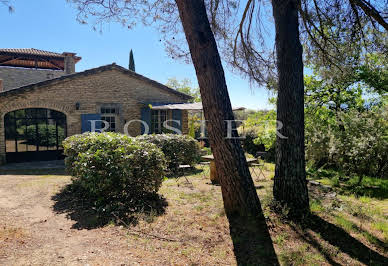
[31, 51]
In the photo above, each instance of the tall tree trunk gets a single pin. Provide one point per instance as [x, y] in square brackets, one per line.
[248, 229]
[238, 191]
[290, 186]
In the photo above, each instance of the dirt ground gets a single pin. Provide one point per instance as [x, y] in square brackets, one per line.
[32, 233]
[36, 230]
[38, 226]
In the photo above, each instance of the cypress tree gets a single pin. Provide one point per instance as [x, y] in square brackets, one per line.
[131, 65]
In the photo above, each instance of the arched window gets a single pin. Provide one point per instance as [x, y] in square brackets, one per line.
[34, 134]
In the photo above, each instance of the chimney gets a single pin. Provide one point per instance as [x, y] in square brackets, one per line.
[1, 85]
[69, 63]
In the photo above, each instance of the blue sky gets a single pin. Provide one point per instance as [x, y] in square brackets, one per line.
[51, 25]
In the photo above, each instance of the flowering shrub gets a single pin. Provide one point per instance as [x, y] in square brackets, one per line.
[178, 149]
[362, 147]
[114, 168]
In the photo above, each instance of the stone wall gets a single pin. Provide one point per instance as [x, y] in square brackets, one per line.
[90, 91]
[17, 77]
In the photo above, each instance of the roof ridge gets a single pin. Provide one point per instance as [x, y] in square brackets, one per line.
[94, 70]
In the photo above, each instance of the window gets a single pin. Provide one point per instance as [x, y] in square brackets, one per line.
[112, 122]
[34, 129]
[109, 114]
[108, 110]
[158, 117]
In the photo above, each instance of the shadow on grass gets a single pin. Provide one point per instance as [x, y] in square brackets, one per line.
[340, 239]
[377, 191]
[366, 186]
[78, 207]
[252, 242]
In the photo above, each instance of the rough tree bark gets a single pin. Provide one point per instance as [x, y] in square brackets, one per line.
[252, 242]
[290, 186]
[238, 191]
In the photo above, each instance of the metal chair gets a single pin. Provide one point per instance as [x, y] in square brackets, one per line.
[204, 166]
[257, 168]
[181, 172]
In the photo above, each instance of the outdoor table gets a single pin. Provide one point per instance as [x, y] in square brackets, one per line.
[213, 170]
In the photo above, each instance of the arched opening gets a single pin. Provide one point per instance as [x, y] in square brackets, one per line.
[34, 134]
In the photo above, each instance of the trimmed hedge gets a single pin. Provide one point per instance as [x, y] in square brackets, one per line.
[178, 149]
[113, 168]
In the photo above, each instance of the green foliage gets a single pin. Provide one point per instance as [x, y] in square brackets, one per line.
[344, 127]
[260, 132]
[185, 86]
[194, 125]
[354, 141]
[374, 74]
[264, 123]
[46, 135]
[113, 168]
[337, 95]
[178, 149]
[362, 145]
[249, 146]
[316, 206]
[243, 114]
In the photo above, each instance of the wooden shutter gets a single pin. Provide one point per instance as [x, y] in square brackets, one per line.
[86, 125]
[146, 117]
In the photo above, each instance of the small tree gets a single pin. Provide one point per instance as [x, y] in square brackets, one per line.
[184, 86]
[131, 65]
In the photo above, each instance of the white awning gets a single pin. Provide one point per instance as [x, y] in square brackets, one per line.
[186, 106]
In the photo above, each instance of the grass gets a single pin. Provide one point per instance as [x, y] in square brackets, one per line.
[360, 217]
[316, 206]
[345, 224]
[300, 255]
[359, 209]
[370, 187]
[382, 226]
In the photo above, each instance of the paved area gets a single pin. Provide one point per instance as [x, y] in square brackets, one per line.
[58, 164]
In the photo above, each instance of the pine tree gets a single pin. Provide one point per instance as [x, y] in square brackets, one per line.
[131, 65]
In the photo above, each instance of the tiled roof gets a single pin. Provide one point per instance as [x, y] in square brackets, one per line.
[34, 58]
[31, 51]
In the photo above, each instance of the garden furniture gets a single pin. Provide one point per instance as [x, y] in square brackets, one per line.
[213, 171]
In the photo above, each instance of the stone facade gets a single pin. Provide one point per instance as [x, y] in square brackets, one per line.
[86, 92]
[17, 77]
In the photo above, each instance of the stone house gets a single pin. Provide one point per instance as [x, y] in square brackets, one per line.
[43, 100]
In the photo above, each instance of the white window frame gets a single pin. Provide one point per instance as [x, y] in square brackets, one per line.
[157, 126]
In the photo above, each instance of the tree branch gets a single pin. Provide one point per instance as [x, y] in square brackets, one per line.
[370, 11]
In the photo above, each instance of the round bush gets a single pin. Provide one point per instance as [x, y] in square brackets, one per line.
[178, 149]
[113, 167]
